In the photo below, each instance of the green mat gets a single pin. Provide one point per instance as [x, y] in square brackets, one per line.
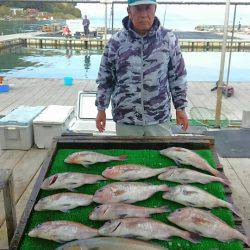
[150, 158]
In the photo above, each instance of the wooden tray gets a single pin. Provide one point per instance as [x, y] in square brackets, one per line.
[86, 141]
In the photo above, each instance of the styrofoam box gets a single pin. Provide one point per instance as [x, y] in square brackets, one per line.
[52, 122]
[16, 129]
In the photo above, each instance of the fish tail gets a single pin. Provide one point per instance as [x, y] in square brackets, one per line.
[225, 181]
[161, 209]
[247, 241]
[223, 177]
[102, 178]
[233, 208]
[122, 157]
[163, 187]
[193, 237]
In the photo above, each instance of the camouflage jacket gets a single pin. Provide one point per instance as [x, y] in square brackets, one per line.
[140, 75]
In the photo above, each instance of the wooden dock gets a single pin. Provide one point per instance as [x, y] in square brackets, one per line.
[26, 164]
[40, 40]
[7, 41]
[35, 92]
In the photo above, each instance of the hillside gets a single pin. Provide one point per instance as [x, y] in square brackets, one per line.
[58, 10]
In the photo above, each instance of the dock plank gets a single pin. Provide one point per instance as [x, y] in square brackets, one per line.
[19, 211]
[35, 92]
[240, 194]
[241, 167]
[23, 171]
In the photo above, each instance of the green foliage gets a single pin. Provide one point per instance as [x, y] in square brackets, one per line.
[4, 10]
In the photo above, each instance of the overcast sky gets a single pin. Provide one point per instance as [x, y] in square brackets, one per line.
[176, 14]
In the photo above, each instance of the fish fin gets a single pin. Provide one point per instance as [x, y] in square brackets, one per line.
[60, 241]
[85, 165]
[177, 163]
[122, 157]
[185, 192]
[122, 216]
[72, 190]
[233, 208]
[163, 209]
[126, 200]
[191, 204]
[64, 210]
[119, 192]
[129, 236]
[193, 237]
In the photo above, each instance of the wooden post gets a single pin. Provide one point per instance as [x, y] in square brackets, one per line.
[6, 184]
[222, 63]
[231, 45]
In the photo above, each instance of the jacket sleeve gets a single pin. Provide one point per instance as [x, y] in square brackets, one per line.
[106, 78]
[177, 75]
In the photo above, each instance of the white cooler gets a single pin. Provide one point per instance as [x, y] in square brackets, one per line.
[52, 122]
[86, 113]
[16, 129]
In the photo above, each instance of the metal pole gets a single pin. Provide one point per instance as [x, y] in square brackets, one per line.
[106, 21]
[231, 44]
[164, 16]
[112, 18]
[222, 64]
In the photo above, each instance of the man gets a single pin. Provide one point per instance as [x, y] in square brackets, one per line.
[85, 23]
[141, 70]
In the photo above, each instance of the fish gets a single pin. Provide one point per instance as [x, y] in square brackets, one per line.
[127, 192]
[131, 172]
[195, 197]
[69, 180]
[109, 243]
[185, 176]
[205, 224]
[63, 201]
[63, 231]
[87, 158]
[188, 157]
[143, 228]
[120, 210]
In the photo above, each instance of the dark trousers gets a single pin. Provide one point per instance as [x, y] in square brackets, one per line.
[86, 30]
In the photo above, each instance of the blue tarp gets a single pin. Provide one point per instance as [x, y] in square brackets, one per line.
[23, 115]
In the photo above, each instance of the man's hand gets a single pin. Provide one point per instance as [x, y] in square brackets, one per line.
[181, 119]
[101, 120]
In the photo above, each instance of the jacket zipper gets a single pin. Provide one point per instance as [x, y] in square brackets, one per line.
[142, 90]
